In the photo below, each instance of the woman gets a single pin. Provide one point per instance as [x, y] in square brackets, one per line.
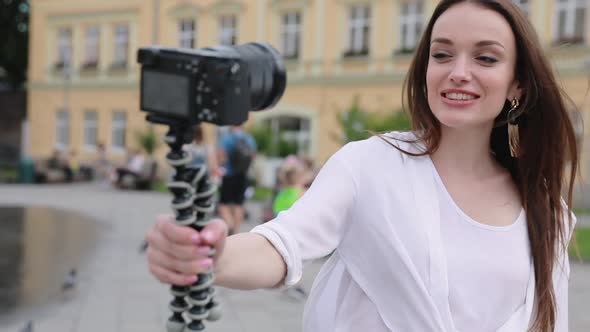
[456, 226]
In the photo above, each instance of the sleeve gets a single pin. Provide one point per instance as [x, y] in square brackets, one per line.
[561, 274]
[313, 227]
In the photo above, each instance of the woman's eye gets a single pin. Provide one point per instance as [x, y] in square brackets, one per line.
[487, 59]
[439, 55]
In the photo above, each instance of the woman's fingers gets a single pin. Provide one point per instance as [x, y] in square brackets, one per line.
[176, 233]
[170, 277]
[214, 235]
[158, 241]
[187, 267]
[176, 254]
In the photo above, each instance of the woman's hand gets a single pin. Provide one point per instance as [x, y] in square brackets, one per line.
[176, 254]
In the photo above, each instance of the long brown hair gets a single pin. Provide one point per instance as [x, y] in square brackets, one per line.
[547, 144]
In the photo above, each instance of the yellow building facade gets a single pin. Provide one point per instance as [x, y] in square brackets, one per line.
[83, 76]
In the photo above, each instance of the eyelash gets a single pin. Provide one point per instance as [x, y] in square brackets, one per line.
[439, 55]
[485, 59]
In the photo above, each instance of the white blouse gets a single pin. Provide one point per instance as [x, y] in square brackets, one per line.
[403, 258]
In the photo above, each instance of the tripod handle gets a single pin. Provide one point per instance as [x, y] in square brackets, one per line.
[193, 202]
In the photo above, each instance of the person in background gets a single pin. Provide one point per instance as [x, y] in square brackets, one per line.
[73, 163]
[292, 180]
[103, 164]
[203, 154]
[237, 150]
[133, 168]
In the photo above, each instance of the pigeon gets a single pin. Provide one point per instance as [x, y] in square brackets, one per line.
[143, 247]
[69, 281]
[28, 327]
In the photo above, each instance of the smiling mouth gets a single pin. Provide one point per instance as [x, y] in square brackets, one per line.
[459, 96]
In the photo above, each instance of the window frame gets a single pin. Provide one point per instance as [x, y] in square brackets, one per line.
[358, 30]
[411, 20]
[291, 22]
[119, 127]
[121, 45]
[90, 130]
[524, 5]
[569, 9]
[187, 35]
[91, 47]
[65, 47]
[228, 34]
[62, 129]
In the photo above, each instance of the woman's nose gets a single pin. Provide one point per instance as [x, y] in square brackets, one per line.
[460, 72]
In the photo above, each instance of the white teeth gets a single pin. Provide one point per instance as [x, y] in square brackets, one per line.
[459, 96]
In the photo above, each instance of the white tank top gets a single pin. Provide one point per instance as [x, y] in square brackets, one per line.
[487, 265]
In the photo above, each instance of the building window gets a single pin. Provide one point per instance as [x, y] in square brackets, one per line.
[571, 21]
[523, 5]
[291, 34]
[227, 30]
[121, 45]
[290, 135]
[64, 48]
[92, 47]
[186, 33]
[62, 129]
[90, 129]
[411, 21]
[358, 31]
[119, 130]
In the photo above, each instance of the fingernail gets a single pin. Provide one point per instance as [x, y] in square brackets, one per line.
[206, 263]
[207, 236]
[191, 279]
[196, 239]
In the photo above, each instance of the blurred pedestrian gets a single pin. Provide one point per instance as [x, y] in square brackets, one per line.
[237, 150]
[291, 184]
[203, 154]
[126, 176]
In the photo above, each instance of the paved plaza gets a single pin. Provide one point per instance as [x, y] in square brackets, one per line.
[115, 293]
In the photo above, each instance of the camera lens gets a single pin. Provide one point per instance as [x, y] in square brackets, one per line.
[267, 74]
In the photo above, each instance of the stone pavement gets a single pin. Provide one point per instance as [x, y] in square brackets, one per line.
[117, 294]
[115, 291]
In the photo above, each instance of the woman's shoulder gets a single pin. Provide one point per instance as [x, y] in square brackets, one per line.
[394, 142]
[382, 150]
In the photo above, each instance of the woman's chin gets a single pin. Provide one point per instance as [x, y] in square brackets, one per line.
[461, 123]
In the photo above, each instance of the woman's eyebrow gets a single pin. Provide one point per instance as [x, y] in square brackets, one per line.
[488, 43]
[478, 44]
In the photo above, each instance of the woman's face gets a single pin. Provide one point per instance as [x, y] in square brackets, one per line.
[471, 67]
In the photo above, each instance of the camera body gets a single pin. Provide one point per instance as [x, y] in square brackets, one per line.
[218, 85]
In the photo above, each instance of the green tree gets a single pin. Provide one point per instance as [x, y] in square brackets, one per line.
[262, 135]
[14, 29]
[148, 140]
[357, 123]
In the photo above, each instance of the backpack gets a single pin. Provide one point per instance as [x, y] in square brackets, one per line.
[241, 156]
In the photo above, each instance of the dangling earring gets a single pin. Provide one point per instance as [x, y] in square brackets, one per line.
[513, 138]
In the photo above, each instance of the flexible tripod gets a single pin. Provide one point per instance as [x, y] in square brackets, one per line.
[192, 203]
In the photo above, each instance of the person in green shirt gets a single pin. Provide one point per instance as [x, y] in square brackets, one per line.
[293, 179]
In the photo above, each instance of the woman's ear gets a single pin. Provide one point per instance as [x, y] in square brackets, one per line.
[515, 91]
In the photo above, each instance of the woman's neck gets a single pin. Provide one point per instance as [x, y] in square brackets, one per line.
[465, 152]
